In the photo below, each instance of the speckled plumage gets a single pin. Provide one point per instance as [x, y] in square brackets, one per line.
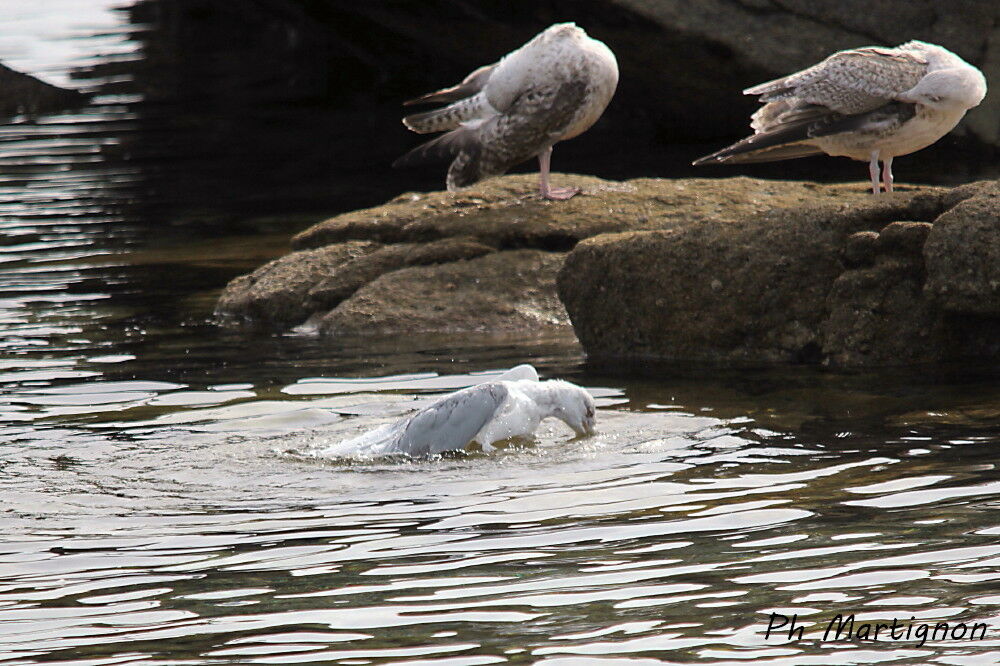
[551, 89]
[868, 104]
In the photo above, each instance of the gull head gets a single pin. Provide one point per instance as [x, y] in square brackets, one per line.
[575, 407]
[948, 89]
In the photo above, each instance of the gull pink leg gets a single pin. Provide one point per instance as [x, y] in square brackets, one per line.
[548, 192]
[873, 172]
[887, 174]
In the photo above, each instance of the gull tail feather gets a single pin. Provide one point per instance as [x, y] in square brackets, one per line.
[450, 117]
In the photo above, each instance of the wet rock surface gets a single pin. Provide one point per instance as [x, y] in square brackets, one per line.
[904, 278]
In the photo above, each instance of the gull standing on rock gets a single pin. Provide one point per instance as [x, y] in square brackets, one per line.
[510, 406]
[870, 104]
[551, 89]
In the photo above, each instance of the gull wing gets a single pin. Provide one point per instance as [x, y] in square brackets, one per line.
[453, 421]
[791, 135]
[538, 116]
[519, 372]
[849, 82]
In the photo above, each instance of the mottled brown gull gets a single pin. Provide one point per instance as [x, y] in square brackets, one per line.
[870, 104]
[551, 89]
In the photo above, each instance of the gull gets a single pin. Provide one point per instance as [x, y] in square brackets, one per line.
[510, 406]
[870, 104]
[551, 89]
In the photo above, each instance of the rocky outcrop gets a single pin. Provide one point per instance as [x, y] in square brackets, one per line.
[735, 271]
[446, 262]
[882, 281]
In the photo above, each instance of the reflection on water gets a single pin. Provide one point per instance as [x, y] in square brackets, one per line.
[156, 508]
[162, 521]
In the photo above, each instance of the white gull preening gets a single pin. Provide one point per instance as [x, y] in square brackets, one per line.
[551, 89]
[510, 406]
[870, 104]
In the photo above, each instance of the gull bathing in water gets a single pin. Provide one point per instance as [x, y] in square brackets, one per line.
[870, 104]
[551, 89]
[510, 406]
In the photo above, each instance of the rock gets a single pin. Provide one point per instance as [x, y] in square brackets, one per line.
[878, 315]
[860, 248]
[904, 238]
[354, 274]
[503, 214]
[503, 291]
[771, 287]
[732, 271]
[963, 255]
[715, 293]
[273, 296]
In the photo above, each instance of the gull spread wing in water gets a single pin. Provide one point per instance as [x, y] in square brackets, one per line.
[870, 104]
[551, 89]
[486, 413]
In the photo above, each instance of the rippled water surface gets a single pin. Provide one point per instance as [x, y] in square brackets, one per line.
[156, 506]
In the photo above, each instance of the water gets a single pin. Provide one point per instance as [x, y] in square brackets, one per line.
[157, 509]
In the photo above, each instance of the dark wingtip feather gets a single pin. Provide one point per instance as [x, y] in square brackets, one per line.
[705, 160]
[443, 96]
[425, 99]
[745, 152]
[439, 149]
